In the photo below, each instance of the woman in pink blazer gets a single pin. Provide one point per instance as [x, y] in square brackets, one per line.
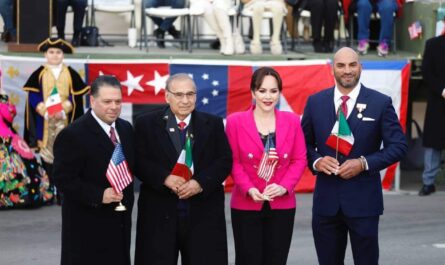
[263, 209]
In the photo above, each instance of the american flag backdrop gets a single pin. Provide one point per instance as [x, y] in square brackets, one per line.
[118, 173]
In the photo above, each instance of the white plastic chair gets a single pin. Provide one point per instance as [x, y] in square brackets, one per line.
[167, 12]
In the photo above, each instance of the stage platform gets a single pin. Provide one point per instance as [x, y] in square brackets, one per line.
[120, 50]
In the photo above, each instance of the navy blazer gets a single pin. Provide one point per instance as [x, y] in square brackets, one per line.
[361, 195]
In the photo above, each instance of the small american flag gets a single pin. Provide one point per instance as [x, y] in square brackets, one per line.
[415, 30]
[118, 173]
[269, 161]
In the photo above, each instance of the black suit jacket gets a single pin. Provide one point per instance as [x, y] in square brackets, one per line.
[92, 232]
[157, 205]
[433, 71]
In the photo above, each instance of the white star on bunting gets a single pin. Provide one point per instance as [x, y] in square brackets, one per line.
[132, 83]
[158, 83]
[215, 92]
[205, 101]
[205, 76]
[215, 83]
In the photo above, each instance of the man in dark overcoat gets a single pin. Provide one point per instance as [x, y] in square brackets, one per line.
[176, 214]
[93, 232]
[433, 71]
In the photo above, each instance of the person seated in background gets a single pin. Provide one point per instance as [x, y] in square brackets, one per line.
[216, 15]
[323, 15]
[278, 9]
[167, 23]
[9, 30]
[385, 9]
[78, 7]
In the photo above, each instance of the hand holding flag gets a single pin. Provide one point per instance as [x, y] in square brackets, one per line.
[341, 138]
[184, 166]
[118, 173]
[269, 161]
[53, 103]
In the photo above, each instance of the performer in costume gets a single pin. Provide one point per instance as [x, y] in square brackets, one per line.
[23, 181]
[53, 79]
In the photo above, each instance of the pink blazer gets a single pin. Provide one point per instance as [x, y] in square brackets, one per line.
[248, 148]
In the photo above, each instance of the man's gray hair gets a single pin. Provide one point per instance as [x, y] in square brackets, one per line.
[179, 76]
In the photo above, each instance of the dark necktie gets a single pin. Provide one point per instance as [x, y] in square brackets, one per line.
[113, 136]
[344, 107]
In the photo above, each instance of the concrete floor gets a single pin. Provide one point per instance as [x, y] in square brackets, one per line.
[411, 233]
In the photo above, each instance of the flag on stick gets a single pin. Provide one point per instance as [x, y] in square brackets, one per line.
[269, 161]
[184, 166]
[415, 30]
[341, 138]
[53, 102]
[118, 173]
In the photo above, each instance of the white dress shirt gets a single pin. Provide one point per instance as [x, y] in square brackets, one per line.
[106, 127]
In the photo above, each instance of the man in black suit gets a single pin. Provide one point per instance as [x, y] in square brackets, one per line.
[176, 215]
[93, 232]
[433, 67]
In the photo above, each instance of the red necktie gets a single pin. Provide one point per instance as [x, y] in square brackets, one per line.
[344, 107]
[182, 125]
[113, 136]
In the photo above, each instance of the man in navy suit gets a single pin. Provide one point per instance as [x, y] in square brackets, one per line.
[348, 194]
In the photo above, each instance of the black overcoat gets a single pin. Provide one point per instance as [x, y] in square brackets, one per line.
[92, 232]
[433, 71]
[157, 205]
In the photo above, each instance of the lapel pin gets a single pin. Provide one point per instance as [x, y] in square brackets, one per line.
[360, 107]
[250, 155]
[172, 129]
[285, 156]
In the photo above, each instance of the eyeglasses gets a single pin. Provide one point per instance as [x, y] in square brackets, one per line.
[180, 95]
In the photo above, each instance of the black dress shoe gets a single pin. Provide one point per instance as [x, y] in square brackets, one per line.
[159, 34]
[76, 39]
[318, 47]
[328, 46]
[215, 44]
[61, 35]
[427, 190]
[176, 34]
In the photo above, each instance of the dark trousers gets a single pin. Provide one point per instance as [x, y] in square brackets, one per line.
[78, 7]
[323, 14]
[182, 236]
[331, 235]
[262, 237]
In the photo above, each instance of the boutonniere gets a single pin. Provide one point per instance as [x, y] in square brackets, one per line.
[360, 108]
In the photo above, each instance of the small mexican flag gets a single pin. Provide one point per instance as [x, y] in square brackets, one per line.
[53, 102]
[341, 138]
[184, 165]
